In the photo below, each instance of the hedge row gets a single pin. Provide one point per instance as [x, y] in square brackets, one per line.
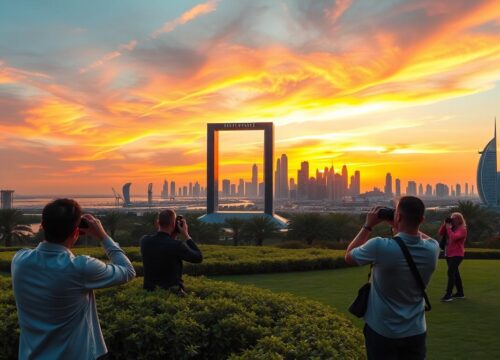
[217, 320]
[229, 260]
[236, 260]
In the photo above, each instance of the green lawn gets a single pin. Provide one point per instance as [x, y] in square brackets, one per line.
[463, 329]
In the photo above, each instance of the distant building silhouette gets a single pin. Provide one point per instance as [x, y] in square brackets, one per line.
[172, 189]
[126, 194]
[411, 189]
[226, 188]
[7, 199]
[487, 175]
[388, 185]
[397, 185]
[150, 194]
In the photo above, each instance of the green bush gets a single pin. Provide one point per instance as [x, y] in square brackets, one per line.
[229, 260]
[217, 320]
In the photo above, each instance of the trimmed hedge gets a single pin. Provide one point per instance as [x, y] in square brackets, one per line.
[217, 320]
[237, 260]
[229, 260]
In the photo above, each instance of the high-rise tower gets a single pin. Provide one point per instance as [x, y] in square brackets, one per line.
[487, 177]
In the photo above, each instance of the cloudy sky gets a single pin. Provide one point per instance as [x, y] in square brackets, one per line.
[96, 93]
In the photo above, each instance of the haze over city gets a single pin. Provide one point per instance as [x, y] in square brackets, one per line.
[96, 94]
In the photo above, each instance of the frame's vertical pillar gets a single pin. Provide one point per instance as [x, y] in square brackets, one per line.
[212, 169]
[268, 169]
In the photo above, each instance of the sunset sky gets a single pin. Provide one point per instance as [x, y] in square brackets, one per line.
[97, 93]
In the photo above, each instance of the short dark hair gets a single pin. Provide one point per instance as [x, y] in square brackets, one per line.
[412, 210]
[60, 218]
[166, 217]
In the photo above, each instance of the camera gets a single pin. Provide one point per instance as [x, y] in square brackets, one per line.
[83, 224]
[386, 213]
[448, 220]
[178, 223]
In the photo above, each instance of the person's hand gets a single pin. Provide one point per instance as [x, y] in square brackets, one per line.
[183, 226]
[448, 225]
[372, 218]
[95, 228]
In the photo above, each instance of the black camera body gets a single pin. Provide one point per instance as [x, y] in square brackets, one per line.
[179, 223]
[83, 224]
[386, 213]
[448, 220]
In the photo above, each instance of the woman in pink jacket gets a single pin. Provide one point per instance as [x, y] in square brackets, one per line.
[456, 233]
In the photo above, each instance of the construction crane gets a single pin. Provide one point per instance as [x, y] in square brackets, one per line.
[117, 196]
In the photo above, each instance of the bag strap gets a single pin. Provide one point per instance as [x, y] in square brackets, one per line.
[414, 270]
[370, 272]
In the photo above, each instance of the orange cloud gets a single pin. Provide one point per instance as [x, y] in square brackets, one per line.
[187, 16]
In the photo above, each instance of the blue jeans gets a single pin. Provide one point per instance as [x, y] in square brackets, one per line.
[379, 347]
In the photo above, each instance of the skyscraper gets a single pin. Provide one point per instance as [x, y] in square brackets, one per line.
[190, 192]
[357, 183]
[303, 180]
[164, 190]
[241, 188]
[428, 190]
[196, 189]
[458, 190]
[442, 190]
[398, 188]
[487, 176]
[330, 183]
[7, 199]
[345, 179]
[255, 179]
[411, 189]
[388, 185]
[150, 194]
[466, 189]
[420, 190]
[226, 188]
[284, 177]
[172, 189]
[126, 194]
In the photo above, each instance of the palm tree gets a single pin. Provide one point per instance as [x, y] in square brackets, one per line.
[260, 228]
[236, 225]
[112, 221]
[310, 227]
[11, 227]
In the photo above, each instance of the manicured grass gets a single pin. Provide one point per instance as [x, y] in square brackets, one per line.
[462, 329]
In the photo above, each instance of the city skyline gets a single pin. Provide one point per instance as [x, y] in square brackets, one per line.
[90, 101]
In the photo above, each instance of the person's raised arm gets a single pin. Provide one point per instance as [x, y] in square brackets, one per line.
[361, 238]
[99, 274]
[188, 250]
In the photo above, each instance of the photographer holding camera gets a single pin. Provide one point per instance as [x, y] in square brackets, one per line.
[162, 253]
[395, 326]
[454, 229]
[54, 289]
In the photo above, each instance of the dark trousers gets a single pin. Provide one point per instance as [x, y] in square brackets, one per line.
[454, 279]
[379, 347]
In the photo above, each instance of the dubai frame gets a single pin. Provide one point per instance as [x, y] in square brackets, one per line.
[215, 216]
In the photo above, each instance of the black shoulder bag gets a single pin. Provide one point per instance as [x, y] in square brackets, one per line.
[414, 270]
[360, 304]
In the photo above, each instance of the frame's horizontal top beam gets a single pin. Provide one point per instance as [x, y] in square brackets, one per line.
[240, 126]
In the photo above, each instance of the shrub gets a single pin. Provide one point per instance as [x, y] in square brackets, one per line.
[229, 260]
[216, 320]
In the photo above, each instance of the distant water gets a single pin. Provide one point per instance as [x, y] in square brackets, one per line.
[36, 203]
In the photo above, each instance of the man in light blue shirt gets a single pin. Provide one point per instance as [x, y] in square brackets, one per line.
[54, 288]
[395, 318]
